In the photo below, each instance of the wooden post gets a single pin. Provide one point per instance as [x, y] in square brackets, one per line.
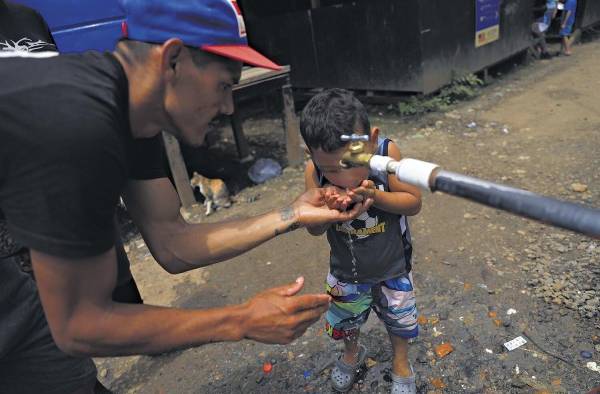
[241, 143]
[179, 172]
[295, 154]
[486, 76]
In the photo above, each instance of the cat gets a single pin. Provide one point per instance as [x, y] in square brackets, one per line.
[215, 192]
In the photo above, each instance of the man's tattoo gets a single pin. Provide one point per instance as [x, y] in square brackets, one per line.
[287, 214]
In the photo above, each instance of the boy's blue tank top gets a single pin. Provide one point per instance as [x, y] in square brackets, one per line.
[380, 241]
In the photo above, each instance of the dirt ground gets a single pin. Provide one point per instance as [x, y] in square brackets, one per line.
[536, 128]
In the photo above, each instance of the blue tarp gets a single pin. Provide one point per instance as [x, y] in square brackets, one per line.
[81, 25]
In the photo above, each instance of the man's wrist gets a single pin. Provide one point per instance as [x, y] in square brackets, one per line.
[239, 320]
[290, 220]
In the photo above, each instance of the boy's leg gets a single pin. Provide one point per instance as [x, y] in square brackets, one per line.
[395, 304]
[349, 309]
[351, 348]
[401, 366]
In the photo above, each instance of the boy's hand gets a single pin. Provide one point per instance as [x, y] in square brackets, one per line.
[365, 190]
[311, 209]
[336, 198]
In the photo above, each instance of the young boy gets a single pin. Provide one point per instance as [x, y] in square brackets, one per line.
[370, 260]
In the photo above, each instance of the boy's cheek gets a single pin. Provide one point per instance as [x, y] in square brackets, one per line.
[349, 180]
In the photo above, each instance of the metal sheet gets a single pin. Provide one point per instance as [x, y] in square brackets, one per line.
[365, 44]
[447, 38]
[591, 12]
[369, 45]
[382, 45]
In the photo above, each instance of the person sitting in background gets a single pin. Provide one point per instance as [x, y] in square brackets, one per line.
[541, 26]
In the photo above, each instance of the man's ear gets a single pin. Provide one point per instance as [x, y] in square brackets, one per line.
[170, 56]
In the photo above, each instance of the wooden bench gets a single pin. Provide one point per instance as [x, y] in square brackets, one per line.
[254, 82]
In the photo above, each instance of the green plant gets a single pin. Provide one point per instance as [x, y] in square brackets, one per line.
[462, 88]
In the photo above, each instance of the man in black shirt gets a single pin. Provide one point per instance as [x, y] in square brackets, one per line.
[77, 131]
[22, 29]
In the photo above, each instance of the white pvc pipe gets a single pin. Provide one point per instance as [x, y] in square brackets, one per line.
[411, 171]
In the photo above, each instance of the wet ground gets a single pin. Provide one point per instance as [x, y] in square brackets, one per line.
[483, 277]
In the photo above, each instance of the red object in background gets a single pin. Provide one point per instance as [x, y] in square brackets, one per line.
[267, 367]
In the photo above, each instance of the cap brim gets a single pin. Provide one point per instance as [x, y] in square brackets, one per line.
[242, 53]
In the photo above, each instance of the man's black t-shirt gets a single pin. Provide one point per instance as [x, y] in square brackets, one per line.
[66, 151]
[16, 19]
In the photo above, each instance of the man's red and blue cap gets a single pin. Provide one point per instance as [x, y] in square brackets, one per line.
[214, 26]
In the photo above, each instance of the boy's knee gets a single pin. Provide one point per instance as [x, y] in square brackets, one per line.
[338, 333]
[402, 332]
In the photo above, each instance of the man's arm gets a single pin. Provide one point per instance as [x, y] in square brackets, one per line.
[179, 246]
[84, 321]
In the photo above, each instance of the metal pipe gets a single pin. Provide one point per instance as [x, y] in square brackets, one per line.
[567, 215]
[428, 176]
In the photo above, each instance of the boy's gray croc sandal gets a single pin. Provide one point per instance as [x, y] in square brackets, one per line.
[406, 385]
[343, 375]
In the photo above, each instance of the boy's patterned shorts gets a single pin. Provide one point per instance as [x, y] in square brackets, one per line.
[393, 300]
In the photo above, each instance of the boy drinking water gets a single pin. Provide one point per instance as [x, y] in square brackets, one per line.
[370, 260]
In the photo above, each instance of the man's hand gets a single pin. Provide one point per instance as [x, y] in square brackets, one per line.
[311, 209]
[279, 316]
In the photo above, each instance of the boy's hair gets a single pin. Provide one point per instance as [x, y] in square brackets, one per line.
[328, 116]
